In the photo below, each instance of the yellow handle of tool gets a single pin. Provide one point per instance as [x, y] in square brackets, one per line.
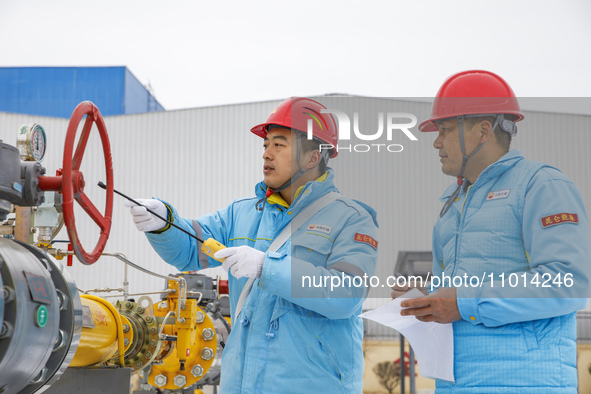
[210, 246]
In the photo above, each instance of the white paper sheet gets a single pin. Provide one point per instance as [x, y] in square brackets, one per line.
[433, 343]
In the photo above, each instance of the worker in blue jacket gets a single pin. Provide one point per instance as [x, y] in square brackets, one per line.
[511, 253]
[298, 329]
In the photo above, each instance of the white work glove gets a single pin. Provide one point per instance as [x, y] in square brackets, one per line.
[144, 220]
[242, 261]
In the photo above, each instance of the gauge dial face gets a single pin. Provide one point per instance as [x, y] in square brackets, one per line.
[38, 143]
[31, 142]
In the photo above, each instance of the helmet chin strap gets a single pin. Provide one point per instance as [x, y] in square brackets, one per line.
[296, 176]
[465, 159]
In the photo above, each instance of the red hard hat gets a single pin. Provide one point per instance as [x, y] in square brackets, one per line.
[294, 113]
[472, 92]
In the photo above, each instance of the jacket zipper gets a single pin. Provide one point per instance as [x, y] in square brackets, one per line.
[459, 231]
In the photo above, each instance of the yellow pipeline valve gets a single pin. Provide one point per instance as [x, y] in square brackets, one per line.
[186, 332]
[185, 361]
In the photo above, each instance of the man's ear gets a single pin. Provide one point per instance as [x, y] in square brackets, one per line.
[312, 159]
[485, 130]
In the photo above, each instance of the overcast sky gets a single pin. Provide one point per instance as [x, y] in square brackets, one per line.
[195, 53]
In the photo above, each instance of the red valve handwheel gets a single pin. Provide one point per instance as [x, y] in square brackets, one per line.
[70, 181]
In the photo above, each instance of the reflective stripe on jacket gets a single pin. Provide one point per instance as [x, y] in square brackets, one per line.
[282, 342]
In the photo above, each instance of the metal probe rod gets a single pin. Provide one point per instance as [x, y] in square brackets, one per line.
[103, 186]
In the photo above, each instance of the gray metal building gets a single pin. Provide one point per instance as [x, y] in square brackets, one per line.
[201, 159]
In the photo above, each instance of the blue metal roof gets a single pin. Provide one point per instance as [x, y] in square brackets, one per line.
[55, 91]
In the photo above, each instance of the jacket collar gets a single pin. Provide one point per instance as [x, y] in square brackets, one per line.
[496, 169]
[311, 191]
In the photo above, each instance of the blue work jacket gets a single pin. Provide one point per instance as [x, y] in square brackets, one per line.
[298, 332]
[517, 244]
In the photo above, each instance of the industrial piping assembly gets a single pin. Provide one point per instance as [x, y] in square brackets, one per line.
[48, 329]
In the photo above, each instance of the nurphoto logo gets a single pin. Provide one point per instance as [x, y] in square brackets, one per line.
[396, 122]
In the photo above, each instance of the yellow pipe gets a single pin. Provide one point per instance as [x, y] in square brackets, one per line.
[96, 344]
[120, 339]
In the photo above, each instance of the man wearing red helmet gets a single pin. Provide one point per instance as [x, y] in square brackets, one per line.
[293, 331]
[520, 228]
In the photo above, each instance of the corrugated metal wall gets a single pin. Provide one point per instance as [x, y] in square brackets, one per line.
[198, 159]
[201, 159]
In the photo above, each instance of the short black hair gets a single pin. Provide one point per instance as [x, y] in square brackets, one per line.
[310, 145]
[503, 137]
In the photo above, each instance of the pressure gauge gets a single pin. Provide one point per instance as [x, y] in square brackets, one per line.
[31, 142]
